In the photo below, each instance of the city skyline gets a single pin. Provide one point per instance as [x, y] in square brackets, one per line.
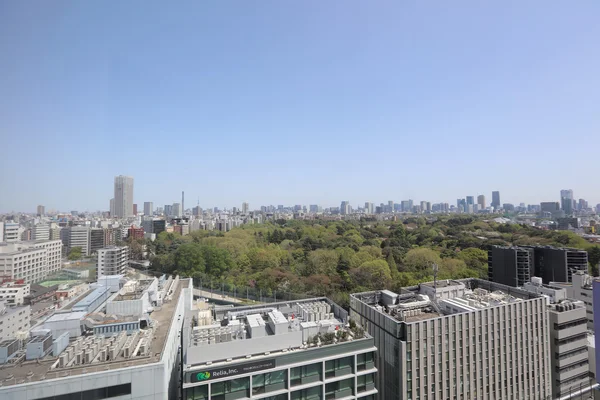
[279, 103]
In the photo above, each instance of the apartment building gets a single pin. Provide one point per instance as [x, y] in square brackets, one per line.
[30, 261]
[112, 261]
[299, 350]
[11, 232]
[13, 294]
[53, 253]
[41, 232]
[467, 338]
[13, 320]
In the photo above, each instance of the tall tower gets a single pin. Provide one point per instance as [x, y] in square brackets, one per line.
[496, 200]
[123, 196]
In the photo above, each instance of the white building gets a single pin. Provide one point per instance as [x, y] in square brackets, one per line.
[138, 364]
[580, 289]
[112, 261]
[14, 294]
[77, 236]
[41, 232]
[13, 320]
[21, 261]
[11, 232]
[123, 196]
[176, 210]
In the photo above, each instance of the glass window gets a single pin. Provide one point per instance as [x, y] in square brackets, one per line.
[233, 389]
[306, 374]
[341, 388]
[197, 393]
[339, 367]
[365, 382]
[314, 393]
[269, 382]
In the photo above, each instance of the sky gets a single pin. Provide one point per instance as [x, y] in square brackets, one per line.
[307, 102]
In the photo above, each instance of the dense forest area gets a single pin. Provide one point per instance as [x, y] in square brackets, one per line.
[334, 258]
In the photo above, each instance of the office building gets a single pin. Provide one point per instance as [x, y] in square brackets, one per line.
[53, 250]
[457, 339]
[77, 236]
[122, 358]
[148, 208]
[581, 290]
[513, 266]
[13, 294]
[12, 321]
[11, 232]
[20, 261]
[569, 364]
[470, 200]
[298, 350]
[168, 210]
[135, 210]
[112, 208]
[345, 208]
[112, 261]
[245, 208]
[41, 232]
[41, 211]
[123, 196]
[495, 200]
[550, 206]
[96, 239]
[158, 226]
[566, 201]
[197, 211]
[481, 201]
[176, 210]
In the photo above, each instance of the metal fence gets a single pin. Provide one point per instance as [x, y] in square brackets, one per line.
[223, 291]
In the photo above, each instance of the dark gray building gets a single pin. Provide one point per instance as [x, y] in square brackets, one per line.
[495, 199]
[96, 239]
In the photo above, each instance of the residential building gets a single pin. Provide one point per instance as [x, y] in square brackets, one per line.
[11, 232]
[41, 232]
[53, 253]
[495, 200]
[12, 321]
[481, 201]
[126, 360]
[77, 236]
[196, 211]
[112, 208]
[298, 350]
[513, 266]
[245, 208]
[41, 211]
[458, 339]
[112, 261]
[168, 210]
[123, 196]
[13, 294]
[54, 232]
[135, 233]
[148, 208]
[26, 235]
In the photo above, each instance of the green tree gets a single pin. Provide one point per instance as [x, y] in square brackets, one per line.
[421, 259]
[594, 259]
[323, 262]
[74, 254]
[372, 274]
[188, 258]
[474, 258]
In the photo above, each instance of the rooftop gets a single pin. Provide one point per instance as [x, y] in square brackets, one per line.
[222, 334]
[148, 343]
[445, 297]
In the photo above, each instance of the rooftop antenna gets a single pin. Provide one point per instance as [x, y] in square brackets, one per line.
[435, 268]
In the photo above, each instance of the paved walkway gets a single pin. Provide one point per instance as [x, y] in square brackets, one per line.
[218, 296]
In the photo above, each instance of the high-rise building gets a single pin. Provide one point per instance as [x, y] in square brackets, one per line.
[245, 208]
[457, 339]
[158, 226]
[123, 196]
[566, 201]
[168, 210]
[390, 206]
[470, 200]
[345, 208]
[513, 266]
[495, 200]
[481, 201]
[77, 236]
[96, 239]
[41, 211]
[135, 210]
[177, 210]
[148, 208]
[369, 208]
[112, 207]
[197, 211]
[112, 260]
[582, 204]
[549, 206]
[295, 351]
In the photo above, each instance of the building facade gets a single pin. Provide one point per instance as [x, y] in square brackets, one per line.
[458, 339]
[11, 232]
[13, 294]
[495, 200]
[77, 236]
[41, 232]
[112, 261]
[13, 320]
[123, 196]
[148, 208]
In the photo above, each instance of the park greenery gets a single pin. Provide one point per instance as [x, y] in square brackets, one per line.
[74, 254]
[334, 258]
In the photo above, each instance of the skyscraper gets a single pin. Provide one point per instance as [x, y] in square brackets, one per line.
[566, 201]
[112, 207]
[148, 208]
[481, 201]
[177, 210]
[345, 208]
[41, 211]
[245, 208]
[495, 200]
[123, 196]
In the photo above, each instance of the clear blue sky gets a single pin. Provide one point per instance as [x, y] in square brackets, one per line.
[280, 102]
